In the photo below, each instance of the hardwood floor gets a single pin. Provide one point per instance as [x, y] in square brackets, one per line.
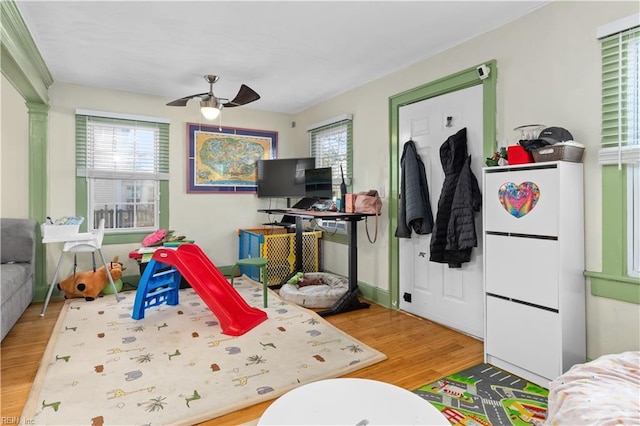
[418, 351]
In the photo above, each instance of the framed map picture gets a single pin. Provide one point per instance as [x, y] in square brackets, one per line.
[223, 159]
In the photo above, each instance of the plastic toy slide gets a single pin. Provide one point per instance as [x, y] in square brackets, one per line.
[235, 315]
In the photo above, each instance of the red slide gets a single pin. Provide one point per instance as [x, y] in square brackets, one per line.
[235, 315]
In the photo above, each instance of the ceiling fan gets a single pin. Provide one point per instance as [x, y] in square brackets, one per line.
[211, 105]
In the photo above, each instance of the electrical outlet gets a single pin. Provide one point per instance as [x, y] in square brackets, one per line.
[381, 192]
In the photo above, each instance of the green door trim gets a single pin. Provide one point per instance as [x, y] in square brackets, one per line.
[461, 80]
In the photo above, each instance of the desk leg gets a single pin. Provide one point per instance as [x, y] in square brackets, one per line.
[299, 249]
[349, 301]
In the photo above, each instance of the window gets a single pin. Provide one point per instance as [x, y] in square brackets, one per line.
[620, 98]
[621, 124]
[331, 144]
[620, 160]
[124, 162]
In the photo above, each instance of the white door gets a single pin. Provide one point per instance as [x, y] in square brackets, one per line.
[452, 297]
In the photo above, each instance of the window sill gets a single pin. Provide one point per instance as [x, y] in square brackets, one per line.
[623, 288]
[124, 238]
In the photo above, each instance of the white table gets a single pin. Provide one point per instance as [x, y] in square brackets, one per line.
[351, 402]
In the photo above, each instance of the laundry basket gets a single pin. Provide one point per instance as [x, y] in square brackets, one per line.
[559, 152]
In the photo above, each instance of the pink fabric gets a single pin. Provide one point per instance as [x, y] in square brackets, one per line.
[154, 238]
[605, 391]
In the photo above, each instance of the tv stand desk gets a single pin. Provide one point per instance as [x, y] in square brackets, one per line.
[348, 302]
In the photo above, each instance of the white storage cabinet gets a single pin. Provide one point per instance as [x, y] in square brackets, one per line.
[533, 216]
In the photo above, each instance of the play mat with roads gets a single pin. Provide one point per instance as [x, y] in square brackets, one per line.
[487, 395]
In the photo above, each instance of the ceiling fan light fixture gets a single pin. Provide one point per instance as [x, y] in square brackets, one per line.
[210, 108]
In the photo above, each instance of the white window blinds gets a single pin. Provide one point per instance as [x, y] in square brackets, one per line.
[620, 97]
[122, 149]
[331, 145]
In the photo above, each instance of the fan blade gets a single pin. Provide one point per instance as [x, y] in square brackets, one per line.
[183, 101]
[245, 95]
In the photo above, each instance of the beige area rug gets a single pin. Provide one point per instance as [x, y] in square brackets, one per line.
[175, 366]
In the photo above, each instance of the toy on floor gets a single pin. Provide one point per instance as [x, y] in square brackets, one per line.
[301, 281]
[89, 284]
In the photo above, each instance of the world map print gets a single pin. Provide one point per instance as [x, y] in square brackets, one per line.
[227, 159]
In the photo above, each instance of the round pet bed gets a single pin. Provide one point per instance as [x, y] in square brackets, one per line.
[323, 295]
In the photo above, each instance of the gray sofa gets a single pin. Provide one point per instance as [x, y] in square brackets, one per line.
[17, 269]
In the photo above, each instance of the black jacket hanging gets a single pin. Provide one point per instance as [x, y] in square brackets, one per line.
[454, 233]
[414, 207]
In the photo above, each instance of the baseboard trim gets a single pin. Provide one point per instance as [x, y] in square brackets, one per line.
[375, 294]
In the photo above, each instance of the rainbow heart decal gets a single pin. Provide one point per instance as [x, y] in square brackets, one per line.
[519, 200]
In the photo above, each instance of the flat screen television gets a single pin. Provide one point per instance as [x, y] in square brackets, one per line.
[318, 183]
[283, 177]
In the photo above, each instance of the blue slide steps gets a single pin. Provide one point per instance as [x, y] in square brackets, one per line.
[159, 284]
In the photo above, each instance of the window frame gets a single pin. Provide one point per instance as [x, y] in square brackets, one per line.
[615, 280]
[633, 170]
[122, 236]
[633, 218]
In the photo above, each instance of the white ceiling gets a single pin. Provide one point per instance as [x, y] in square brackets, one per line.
[294, 53]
